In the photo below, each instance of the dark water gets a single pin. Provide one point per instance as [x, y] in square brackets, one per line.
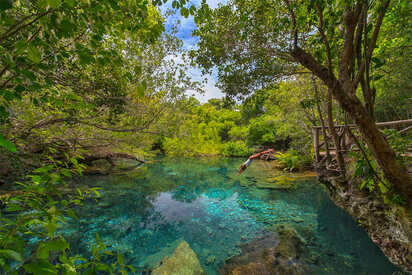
[216, 212]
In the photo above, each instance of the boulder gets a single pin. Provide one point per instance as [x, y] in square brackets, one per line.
[271, 254]
[183, 261]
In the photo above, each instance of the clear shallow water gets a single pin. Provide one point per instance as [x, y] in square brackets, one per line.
[205, 203]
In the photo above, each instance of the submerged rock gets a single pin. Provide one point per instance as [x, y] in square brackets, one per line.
[279, 182]
[270, 254]
[183, 261]
[153, 261]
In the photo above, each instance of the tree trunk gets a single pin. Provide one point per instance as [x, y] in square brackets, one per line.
[395, 173]
[338, 152]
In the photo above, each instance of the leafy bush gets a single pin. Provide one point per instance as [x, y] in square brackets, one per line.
[238, 133]
[292, 160]
[236, 149]
[261, 131]
[369, 173]
[36, 211]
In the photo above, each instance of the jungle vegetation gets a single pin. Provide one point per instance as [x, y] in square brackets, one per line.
[87, 80]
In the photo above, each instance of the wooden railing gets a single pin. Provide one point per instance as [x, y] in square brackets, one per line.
[325, 149]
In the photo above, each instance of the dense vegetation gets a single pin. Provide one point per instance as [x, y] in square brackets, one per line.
[87, 80]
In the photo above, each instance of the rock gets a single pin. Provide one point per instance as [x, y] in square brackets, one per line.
[205, 252]
[270, 255]
[153, 261]
[183, 261]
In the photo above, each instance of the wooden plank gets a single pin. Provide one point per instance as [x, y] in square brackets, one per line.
[379, 124]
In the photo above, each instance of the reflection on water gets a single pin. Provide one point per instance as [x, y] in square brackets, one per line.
[205, 203]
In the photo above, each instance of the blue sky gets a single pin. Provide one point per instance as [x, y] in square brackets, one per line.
[185, 28]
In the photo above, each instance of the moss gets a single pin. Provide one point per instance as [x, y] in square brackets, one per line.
[182, 261]
[278, 182]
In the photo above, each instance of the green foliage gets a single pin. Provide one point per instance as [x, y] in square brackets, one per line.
[7, 144]
[371, 176]
[203, 131]
[262, 131]
[37, 211]
[271, 118]
[76, 78]
[293, 161]
[236, 149]
[253, 106]
[39, 37]
[393, 59]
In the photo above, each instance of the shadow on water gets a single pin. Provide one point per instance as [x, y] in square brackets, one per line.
[217, 212]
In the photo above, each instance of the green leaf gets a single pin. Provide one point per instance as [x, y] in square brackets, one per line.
[7, 144]
[97, 193]
[6, 4]
[43, 251]
[102, 267]
[54, 3]
[13, 207]
[71, 214]
[192, 10]
[140, 90]
[20, 46]
[184, 12]
[70, 3]
[363, 184]
[120, 259]
[175, 4]
[67, 27]
[34, 54]
[132, 269]
[383, 188]
[29, 74]
[43, 169]
[11, 254]
[58, 245]
[41, 267]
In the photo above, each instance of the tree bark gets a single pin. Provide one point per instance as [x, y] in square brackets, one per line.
[395, 173]
[338, 152]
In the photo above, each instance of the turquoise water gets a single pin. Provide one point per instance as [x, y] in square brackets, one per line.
[217, 212]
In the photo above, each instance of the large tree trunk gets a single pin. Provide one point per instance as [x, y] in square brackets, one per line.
[381, 150]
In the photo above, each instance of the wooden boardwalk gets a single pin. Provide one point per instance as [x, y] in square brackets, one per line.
[325, 152]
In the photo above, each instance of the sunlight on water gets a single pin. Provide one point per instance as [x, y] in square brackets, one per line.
[205, 203]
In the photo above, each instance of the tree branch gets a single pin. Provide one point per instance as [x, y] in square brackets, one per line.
[324, 38]
[372, 44]
[295, 30]
[11, 32]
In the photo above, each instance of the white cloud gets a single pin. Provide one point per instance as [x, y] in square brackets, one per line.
[185, 29]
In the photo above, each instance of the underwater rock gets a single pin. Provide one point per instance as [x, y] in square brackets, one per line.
[153, 261]
[182, 261]
[280, 182]
[271, 254]
[205, 252]
[298, 220]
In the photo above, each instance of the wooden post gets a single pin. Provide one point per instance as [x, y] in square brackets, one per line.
[315, 132]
